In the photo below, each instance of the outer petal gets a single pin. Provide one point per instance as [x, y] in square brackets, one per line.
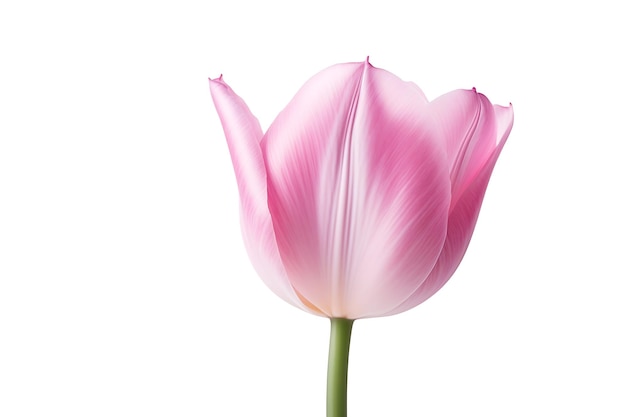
[358, 189]
[243, 134]
[464, 214]
[467, 121]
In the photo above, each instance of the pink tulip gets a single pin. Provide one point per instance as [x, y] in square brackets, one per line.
[361, 198]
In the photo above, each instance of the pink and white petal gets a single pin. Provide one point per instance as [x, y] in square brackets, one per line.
[243, 135]
[296, 149]
[461, 223]
[469, 124]
[406, 194]
[358, 190]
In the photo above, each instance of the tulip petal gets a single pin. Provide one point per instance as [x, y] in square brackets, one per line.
[468, 125]
[358, 190]
[464, 214]
[243, 134]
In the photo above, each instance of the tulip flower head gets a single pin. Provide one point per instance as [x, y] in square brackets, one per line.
[361, 198]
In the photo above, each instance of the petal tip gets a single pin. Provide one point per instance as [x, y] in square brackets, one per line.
[217, 80]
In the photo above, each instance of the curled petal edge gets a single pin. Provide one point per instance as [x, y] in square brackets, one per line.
[243, 135]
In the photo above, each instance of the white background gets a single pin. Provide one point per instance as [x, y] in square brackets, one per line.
[125, 289]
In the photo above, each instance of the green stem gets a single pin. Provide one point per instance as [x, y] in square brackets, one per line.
[337, 382]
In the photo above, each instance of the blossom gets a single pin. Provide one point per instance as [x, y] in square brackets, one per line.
[361, 198]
